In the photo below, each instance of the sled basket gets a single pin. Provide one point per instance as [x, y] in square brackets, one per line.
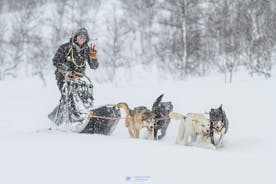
[102, 120]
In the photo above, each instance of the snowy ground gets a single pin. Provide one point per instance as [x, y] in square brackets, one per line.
[30, 154]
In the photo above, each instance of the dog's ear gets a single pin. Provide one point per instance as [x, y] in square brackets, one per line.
[220, 107]
[146, 115]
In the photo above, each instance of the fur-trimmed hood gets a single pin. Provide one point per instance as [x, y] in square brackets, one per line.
[73, 39]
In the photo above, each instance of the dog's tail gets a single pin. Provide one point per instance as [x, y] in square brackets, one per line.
[123, 105]
[157, 102]
[176, 116]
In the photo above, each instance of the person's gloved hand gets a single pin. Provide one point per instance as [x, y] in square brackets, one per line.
[93, 52]
[70, 74]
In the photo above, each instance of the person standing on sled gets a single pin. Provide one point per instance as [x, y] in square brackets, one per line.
[72, 57]
[74, 109]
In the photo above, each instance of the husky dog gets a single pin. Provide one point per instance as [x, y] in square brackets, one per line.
[161, 111]
[219, 125]
[138, 118]
[190, 126]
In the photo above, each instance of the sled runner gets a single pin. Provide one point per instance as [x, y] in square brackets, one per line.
[75, 110]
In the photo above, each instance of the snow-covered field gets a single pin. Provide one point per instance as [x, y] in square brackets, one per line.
[30, 154]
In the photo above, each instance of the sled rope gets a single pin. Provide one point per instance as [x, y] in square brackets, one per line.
[108, 118]
[103, 117]
[163, 118]
[73, 59]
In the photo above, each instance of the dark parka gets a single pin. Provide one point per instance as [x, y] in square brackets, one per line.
[71, 57]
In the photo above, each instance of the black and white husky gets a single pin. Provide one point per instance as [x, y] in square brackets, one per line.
[219, 126]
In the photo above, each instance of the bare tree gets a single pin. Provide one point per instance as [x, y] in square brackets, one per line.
[22, 34]
[260, 36]
[40, 58]
[82, 13]
[140, 15]
[56, 22]
[225, 30]
[180, 22]
[114, 55]
[4, 63]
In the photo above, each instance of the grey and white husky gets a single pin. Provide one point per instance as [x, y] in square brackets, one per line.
[219, 125]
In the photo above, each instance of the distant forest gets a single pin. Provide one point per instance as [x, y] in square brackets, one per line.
[180, 37]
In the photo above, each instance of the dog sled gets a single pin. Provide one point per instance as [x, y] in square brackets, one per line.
[75, 110]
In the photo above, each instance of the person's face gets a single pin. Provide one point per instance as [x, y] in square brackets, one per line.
[81, 39]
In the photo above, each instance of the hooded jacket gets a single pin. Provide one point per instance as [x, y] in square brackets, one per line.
[72, 57]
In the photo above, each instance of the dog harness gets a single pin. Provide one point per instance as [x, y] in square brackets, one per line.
[220, 128]
[216, 129]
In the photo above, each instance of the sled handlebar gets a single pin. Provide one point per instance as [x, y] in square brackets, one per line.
[72, 75]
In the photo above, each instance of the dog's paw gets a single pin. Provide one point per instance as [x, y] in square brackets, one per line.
[213, 147]
[220, 146]
[186, 144]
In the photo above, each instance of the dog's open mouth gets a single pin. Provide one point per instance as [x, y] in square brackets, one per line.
[204, 134]
[150, 129]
